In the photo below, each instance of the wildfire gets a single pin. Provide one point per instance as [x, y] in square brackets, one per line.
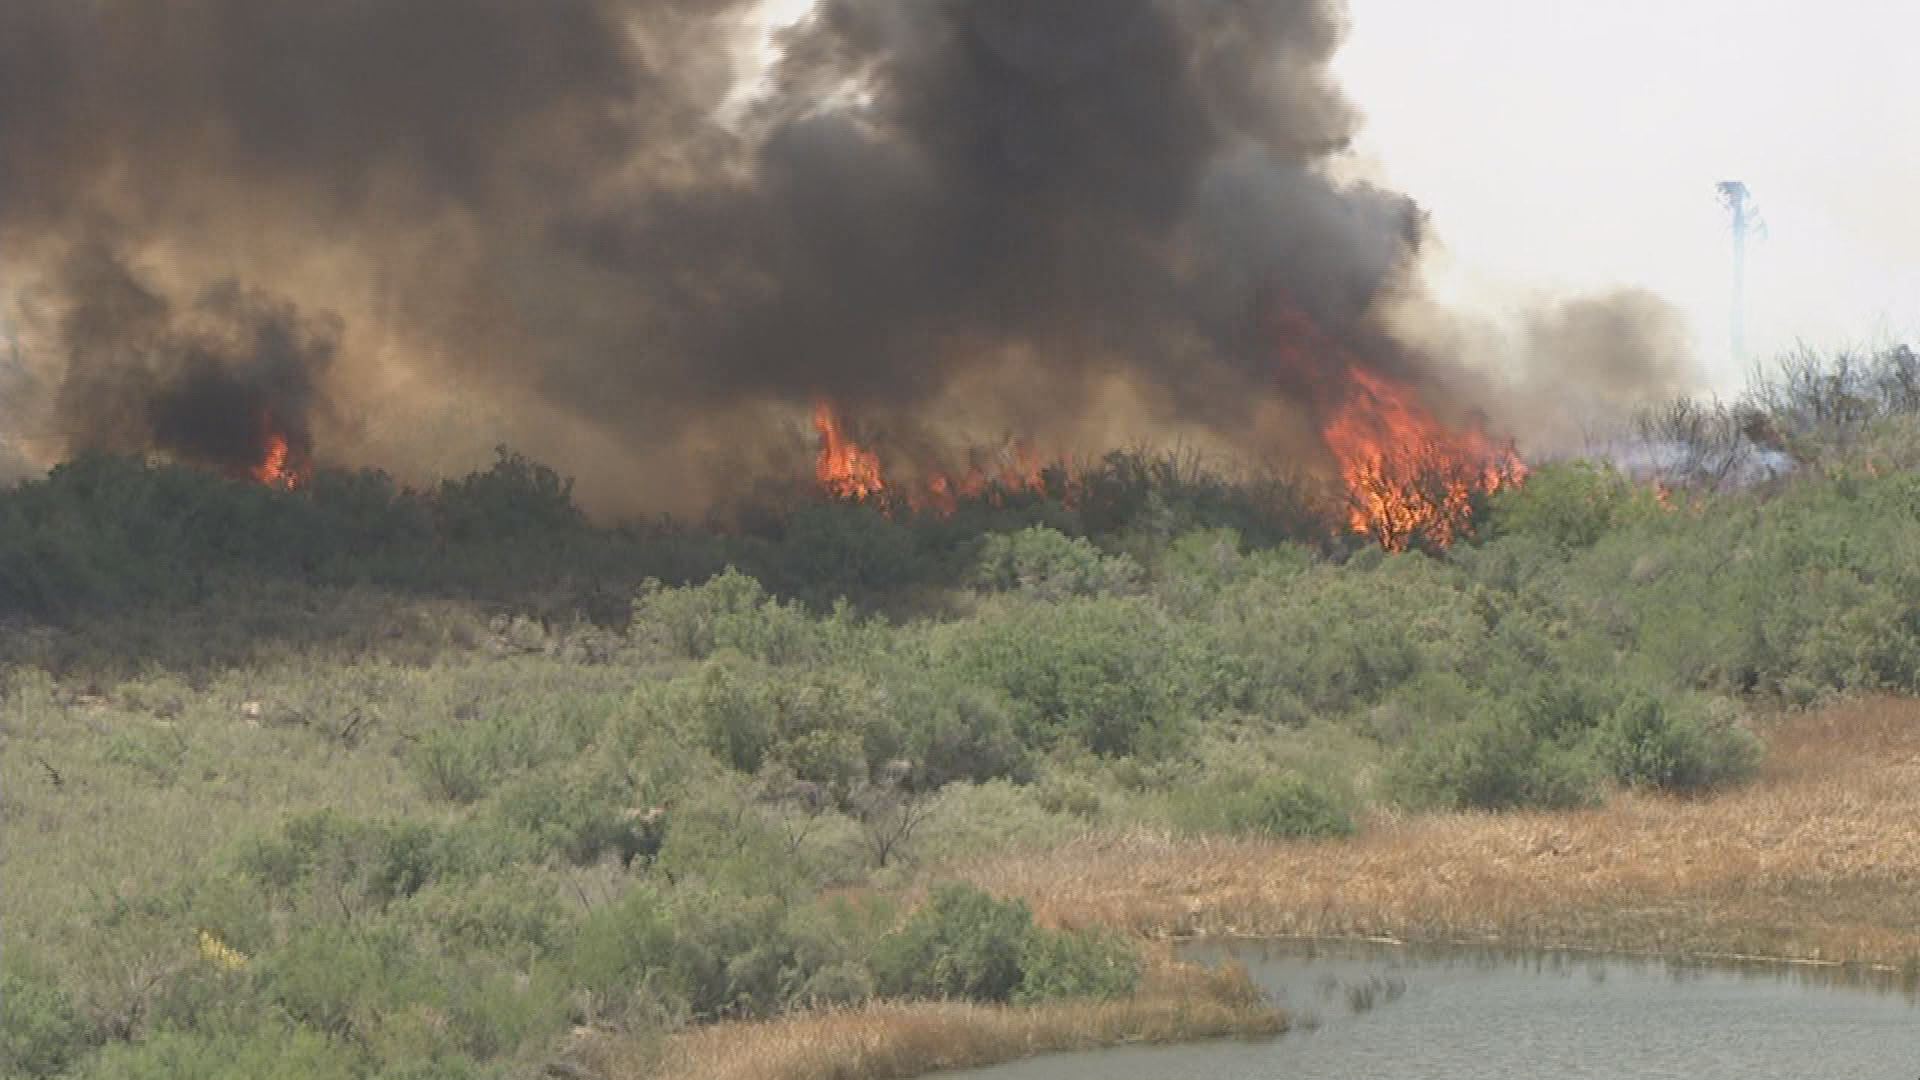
[277, 466]
[1017, 470]
[1407, 475]
[844, 469]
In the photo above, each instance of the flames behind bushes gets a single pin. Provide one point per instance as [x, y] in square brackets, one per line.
[397, 233]
[229, 382]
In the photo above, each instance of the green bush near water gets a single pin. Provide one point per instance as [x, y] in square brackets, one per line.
[965, 945]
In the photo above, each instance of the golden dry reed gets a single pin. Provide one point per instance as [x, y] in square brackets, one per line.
[1817, 860]
[1176, 1003]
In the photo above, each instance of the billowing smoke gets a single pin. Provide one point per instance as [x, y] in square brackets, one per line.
[212, 384]
[411, 229]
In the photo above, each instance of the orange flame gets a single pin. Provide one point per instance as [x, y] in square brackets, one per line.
[1409, 477]
[1018, 470]
[277, 466]
[844, 468]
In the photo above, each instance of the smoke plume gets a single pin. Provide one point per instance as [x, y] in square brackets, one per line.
[412, 229]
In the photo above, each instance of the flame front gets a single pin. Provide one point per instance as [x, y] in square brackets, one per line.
[1407, 475]
[844, 468]
[272, 469]
[277, 466]
[1018, 469]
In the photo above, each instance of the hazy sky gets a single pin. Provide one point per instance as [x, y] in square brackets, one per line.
[1567, 146]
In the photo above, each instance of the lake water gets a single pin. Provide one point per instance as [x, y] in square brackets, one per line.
[1366, 1012]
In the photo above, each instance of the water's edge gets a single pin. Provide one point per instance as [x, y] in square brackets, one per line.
[1379, 1008]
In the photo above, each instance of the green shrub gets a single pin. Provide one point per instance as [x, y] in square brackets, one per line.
[830, 725]
[368, 865]
[1107, 674]
[516, 498]
[577, 810]
[512, 912]
[376, 861]
[270, 1052]
[1648, 742]
[1571, 503]
[1051, 565]
[1494, 762]
[343, 979]
[718, 835]
[846, 983]
[736, 957]
[963, 945]
[41, 1033]
[966, 946]
[688, 621]
[954, 731]
[1868, 643]
[838, 549]
[622, 952]
[493, 1010]
[1332, 638]
[158, 755]
[1284, 805]
[487, 742]
[1076, 964]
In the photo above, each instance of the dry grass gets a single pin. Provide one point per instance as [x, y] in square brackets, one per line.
[1817, 860]
[1177, 1003]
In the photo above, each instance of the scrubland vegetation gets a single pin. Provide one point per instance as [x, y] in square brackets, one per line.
[361, 782]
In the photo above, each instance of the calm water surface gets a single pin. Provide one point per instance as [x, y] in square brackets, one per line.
[1385, 1013]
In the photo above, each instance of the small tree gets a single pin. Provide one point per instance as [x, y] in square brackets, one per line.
[889, 811]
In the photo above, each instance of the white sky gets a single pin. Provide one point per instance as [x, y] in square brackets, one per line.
[1567, 145]
[1576, 145]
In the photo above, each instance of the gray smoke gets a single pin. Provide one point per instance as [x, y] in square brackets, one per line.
[414, 227]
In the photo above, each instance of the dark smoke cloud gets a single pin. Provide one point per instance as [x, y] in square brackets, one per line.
[211, 383]
[539, 209]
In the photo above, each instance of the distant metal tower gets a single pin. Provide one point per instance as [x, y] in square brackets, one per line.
[1746, 222]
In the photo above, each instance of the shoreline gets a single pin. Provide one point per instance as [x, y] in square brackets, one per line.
[1178, 1002]
[1727, 959]
[1807, 867]
[1815, 860]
